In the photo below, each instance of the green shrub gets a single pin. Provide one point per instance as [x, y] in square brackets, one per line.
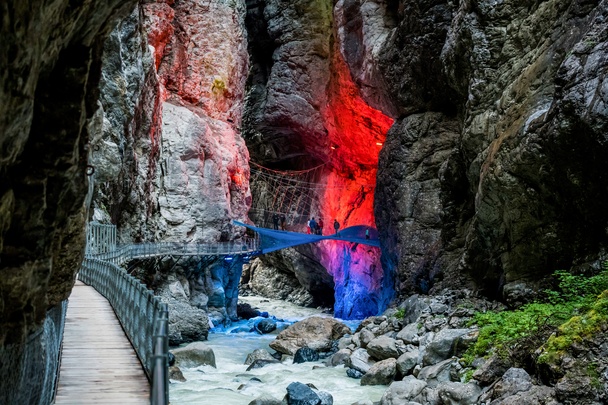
[576, 329]
[518, 333]
[400, 313]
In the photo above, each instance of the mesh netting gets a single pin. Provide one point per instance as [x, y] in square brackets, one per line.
[289, 194]
[28, 371]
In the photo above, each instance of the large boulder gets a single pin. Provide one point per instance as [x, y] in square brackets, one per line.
[513, 381]
[491, 370]
[359, 360]
[381, 373]
[315, 332]
[339, 358]
[402, 392]
[409, 334]
[302, 394]
[382, 347]
[455, 393]
[194, 355]
[436, 374]
[407, 361]
[447, 343]
[259, 363]
[258, 354]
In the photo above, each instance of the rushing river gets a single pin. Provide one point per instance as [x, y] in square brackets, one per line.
[231, 384]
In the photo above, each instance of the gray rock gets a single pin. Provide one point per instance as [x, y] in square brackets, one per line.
[455, 393]
[360, 360]
[258, 354]
[365, 336]
[302, 394]
[491, 370]
[176, 374]
[315, 332]
[534, 396]
[382, 347]
[344, 342]
[407, 361]
[194, 355]
[400, 392]
[326, 398]
[514, 380]
[265, 400]
[266, 326]
[413, 306]
[338, 358]
[353, 373]
[259, 363]
[409, 334]
[447, 343]
[438, 308]
[428, 396]
[305, 354]
[381, 373]
[436, 374]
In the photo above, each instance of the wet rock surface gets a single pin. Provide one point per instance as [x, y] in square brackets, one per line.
[194, 355]
[316, 333]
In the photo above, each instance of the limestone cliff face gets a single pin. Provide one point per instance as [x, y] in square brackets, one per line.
[494, 170]
[170, 163]
[173, 166]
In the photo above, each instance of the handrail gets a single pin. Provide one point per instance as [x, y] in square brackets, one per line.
[142, 316]
[125, 253]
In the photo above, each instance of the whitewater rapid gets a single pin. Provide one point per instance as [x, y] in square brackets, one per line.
[231, 384]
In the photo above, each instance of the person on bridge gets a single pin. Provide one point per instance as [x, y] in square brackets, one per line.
[337, 226]
[320, 227]
[275, 221]
[367, 233]
[283, 222]
[313, 226]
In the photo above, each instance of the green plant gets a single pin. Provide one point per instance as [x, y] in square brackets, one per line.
[576, 329]
[218, 86]
[517, 334]
[400, 313]
[468, 375]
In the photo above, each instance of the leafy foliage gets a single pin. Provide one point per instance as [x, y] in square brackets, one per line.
[516, 334]
[400, 313]
[576, 329]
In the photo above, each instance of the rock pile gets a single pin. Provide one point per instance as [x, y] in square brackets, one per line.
[415, 351]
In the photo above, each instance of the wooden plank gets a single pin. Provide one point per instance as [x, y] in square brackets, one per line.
[99, 365]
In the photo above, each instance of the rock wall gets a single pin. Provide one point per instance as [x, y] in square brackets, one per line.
[50, 57]
[171, 165]
[492, 174]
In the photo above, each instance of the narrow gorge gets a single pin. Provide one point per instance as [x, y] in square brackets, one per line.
[469, 137]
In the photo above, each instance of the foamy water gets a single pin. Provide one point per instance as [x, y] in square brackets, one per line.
[231, 384]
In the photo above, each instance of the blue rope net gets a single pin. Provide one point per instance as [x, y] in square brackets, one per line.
[272, 240]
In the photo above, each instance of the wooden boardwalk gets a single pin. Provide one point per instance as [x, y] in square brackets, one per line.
[98, 363]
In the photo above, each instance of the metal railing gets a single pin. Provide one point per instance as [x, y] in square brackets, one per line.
[125, 253]
[143, 317]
